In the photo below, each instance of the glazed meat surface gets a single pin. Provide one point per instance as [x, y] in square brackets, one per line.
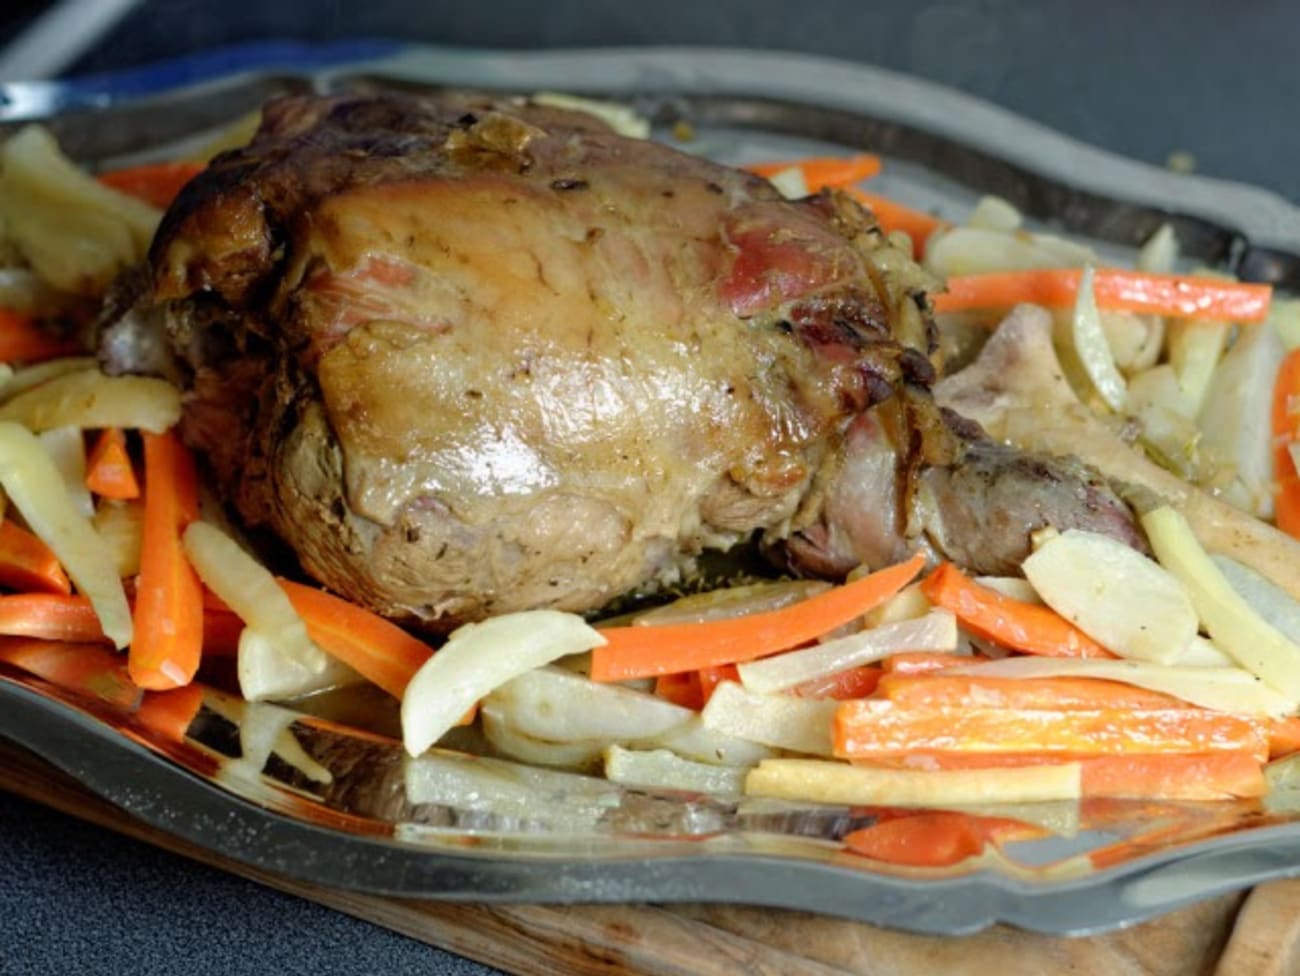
[466, 357]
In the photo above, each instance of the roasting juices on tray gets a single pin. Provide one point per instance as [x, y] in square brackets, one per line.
[413, 391]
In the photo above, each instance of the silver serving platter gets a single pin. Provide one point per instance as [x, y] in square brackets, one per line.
[312, 799]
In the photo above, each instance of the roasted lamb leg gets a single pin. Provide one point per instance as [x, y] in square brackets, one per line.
[469, 356]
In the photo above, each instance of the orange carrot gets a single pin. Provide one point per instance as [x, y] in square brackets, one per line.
[221, 630]
[23, 340]
[1116, 289]
[641, 652]
[681, 689]
[934, 838]
[853, 683]
[1286, 432]
[867, 728]
[109, 472]
[924, 662]
[376, 648]
[154, 183]
[27, 564]
[893, 216]
[711, 677]
[169, 713]
[1283, 736]
[1213, 776]
[168, 611]
[1020, 626]
[50, 616]
[1169, 776]
[941, 689]
[825, 171]
[87, 669]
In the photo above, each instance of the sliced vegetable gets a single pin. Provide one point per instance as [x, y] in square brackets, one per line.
[376, 648]
[1091, 346]
[1258, 646]
[50, 616]
[157, 184]
[853, 683]
[1206, 777]
[169, 713]
[1116, 289]
[1126, 602]
[1025, 627]
[1238, 419]
[28, 564]
[870, 728]
[109, 472]
[822, 781]
[90, 399]
[36, 489]
[67, 449]
[121, 526]
[277, 657]
[946, 689]
[561, 706]
[663, 770]
[936, 631]
[1224, 689]
[780, 721]
[88, 669]
[169, 601]
[480, 657]
[22, 340]
[1286, 434]
[925, 662]
[636, 652]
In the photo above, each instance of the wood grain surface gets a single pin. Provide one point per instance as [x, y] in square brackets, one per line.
[1234, 935]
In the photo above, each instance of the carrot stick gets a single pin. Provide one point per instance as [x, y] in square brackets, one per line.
[23, 340]
[109, 472]
[853, 683]
[1020, 626]
[376, 648]
[820, 172]
[1204, 776]
[50, 616]
[867, 728]
[27, 564]
[154, 183]
[168, 613]
[940, 690]
[924, 662]
[1116, 289]
[169, 713]
[641, 652]
[1283, 737]
[892, 216]
[1286, 432]
[88, 669]
[681, 689]
[932, 839]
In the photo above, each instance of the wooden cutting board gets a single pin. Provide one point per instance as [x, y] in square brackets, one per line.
[1234, 935]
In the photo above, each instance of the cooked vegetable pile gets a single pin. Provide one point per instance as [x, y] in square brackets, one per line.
[1095, 670]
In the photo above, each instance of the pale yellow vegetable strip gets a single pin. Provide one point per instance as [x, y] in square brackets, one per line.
[662, 769]
[797, 724]
[90, 399]
[35, 487]
[822, 781]
[1259, 647]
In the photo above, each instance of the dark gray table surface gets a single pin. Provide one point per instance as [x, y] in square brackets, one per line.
[1218, 81]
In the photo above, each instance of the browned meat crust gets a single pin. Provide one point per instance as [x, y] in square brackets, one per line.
[468, 357]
